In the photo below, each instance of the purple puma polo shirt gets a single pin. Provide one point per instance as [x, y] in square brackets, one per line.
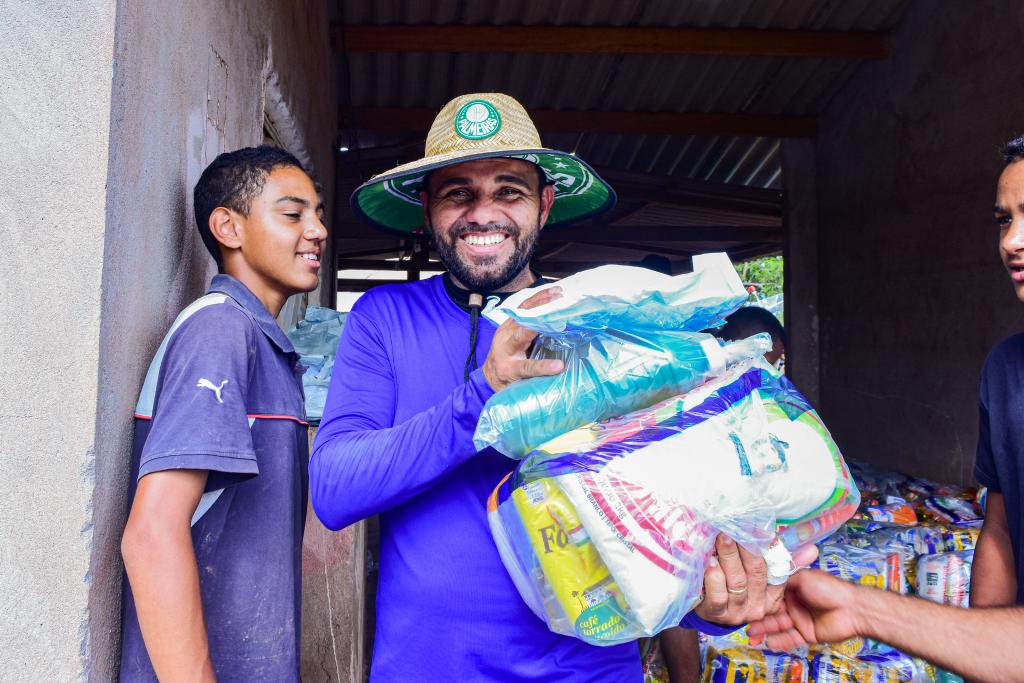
[224, 394]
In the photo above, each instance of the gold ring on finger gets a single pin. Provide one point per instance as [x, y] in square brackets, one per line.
[737, 591]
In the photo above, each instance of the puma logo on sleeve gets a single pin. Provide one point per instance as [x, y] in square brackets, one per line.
[207, 384]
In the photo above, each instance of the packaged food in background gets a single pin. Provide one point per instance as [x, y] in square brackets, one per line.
[875, 483]
[945, 577]
[982, 499]
[957, 539]
[606, 530]
[865, 566]
[881, 666]
[894, 541]
[746, 665]
[953, 510]
[925, 488]
[895, 511]
[652, 661]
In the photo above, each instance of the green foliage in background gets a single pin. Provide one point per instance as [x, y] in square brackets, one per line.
[766, 272]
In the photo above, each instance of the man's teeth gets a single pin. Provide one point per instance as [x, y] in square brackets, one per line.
[484, 240]
[309, 257]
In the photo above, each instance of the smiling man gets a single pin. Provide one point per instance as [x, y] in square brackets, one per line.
[416, 364]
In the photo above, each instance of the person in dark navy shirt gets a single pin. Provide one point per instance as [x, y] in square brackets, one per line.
[975, 643]
[213, 544]
[997, 576]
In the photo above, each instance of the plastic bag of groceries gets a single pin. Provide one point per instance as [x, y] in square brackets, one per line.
[945, 577]
[629, 337]
[606, 530]
[746, 665]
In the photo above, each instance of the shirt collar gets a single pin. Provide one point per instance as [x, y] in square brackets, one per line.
[243, 296]
[460, 296]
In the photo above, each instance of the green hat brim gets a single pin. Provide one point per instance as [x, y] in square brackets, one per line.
[391, 201]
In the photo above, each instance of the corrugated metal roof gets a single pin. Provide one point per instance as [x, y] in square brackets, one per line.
[620, 82]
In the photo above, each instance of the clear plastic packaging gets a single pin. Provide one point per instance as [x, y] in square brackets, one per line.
[632, 298]
[606, 530]
[629, 337]
[945, 577]
[607, 374]
[877, 666]
[746, 665]
[866, 566]
[315, 339]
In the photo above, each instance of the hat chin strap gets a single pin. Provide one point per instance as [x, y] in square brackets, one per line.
[476, 303]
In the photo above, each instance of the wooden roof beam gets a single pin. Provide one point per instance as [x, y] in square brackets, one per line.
[735, 42]
[640, 123]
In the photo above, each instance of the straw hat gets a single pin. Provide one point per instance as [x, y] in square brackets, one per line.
[481, 126]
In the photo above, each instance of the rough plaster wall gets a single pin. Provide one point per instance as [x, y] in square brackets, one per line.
[912, 291]
[189, 81]
[54, 120]
[800, 218]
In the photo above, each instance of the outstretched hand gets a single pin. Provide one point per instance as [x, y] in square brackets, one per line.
[736, 589]
[508, 360]
[819, 608]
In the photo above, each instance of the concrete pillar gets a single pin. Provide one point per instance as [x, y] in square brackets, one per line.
[800, 248]
[54, 124]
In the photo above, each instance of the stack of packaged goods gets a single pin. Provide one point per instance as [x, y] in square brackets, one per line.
[315, 339]
[655, 439]
[911, 536]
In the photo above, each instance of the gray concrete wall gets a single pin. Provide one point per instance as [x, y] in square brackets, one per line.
[114, 111]
[54, 121]
[912, 291]
[800, 248]
[191, 80]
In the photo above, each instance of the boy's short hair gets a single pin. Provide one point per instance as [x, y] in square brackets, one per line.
[233, 180]
[1013, 150]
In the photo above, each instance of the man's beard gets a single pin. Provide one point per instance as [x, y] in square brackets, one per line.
[478, 277]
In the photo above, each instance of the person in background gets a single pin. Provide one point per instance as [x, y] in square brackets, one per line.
[997, 574]
[415, 365]
[751, 320]
[213, 545]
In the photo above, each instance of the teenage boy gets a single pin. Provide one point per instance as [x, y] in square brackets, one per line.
[212, 548]
[997, 576]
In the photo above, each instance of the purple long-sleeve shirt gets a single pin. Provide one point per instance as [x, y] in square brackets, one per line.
[396, 439]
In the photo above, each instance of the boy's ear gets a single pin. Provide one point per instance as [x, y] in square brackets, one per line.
[224, 227]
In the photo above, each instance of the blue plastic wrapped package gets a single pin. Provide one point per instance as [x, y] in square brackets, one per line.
[607, 529]
[315, 339]
[608, 374]
[629, 338]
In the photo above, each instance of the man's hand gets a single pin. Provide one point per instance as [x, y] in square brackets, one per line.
[736, 589]
[508, 361]
[819, 608]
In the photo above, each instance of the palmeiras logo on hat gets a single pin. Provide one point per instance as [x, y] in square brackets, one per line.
[477, 120]
[473, 127]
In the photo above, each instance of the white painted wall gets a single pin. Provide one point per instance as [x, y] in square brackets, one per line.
[54, 121]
